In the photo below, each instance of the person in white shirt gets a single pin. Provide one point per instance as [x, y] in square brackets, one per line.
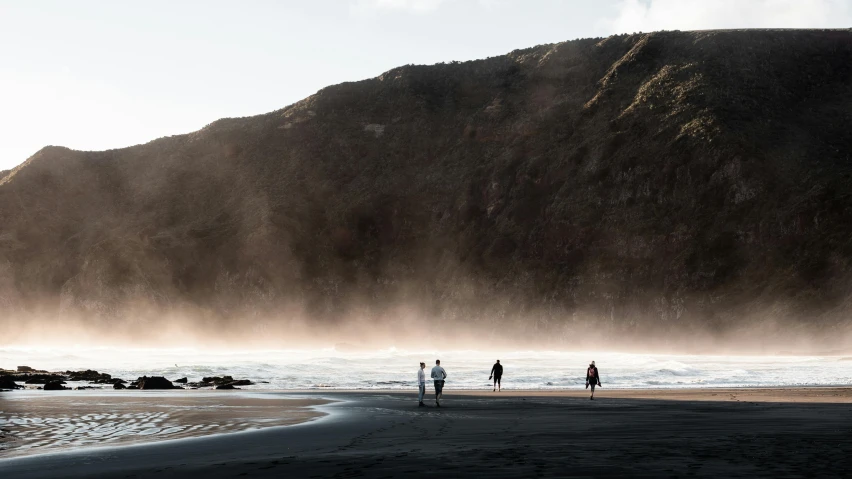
[439, 375]
[421, 383]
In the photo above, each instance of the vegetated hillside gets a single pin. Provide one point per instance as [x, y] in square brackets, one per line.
[651, 180]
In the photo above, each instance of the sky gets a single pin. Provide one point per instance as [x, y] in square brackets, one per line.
[94, 75]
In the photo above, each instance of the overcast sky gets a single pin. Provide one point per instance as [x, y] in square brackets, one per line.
[94, 75]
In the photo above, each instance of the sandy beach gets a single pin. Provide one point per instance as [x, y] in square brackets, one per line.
[804, 432]
[36, 422]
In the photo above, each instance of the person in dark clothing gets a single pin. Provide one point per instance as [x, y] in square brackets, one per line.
[592, 378]
[496, 373]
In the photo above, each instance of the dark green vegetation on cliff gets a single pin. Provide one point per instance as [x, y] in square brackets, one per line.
[656, 179]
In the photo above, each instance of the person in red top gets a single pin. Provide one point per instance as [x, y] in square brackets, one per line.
[592, 378]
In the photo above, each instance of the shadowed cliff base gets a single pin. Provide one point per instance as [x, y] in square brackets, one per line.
[671, 182]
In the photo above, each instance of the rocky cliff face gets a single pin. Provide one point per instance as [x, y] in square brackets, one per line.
[663, 180]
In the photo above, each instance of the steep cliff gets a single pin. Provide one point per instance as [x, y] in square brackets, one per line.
[662, 180]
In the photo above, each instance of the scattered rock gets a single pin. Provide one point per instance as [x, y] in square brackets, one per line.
[8, 382]
[222, 381]
[218, 380]
[241, 382]
[41, 378]
[226, 386]
[181, 380]
[154, 382]
[54, 386]
[119, 386]
[89, 375]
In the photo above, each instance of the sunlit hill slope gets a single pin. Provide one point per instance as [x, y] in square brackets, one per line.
[664, 180]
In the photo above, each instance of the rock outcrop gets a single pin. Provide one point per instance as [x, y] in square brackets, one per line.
[55, 386]
[154, 382]
[217, 381]
[8, 382]
[40, 378]
[89, 375]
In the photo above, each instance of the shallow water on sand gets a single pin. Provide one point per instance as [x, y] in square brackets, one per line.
[393, 368]
[34, 421]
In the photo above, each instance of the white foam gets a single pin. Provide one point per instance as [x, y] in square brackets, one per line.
[396, 369]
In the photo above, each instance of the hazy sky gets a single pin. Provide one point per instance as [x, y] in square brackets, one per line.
[104, 74]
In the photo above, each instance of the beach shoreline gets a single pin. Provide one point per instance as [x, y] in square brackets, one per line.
[45, 422]
[750, 432]
[320, 370]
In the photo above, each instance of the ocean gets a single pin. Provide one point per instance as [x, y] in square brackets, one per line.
[344, 368]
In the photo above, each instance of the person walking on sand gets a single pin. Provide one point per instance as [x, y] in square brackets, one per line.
[439, 375]
[592, 378]
[421, 384]
[496, 373]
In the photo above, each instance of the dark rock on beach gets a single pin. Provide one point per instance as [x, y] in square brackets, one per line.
[41, 378]
[241, 382]
[181, 380]
[155, 382]
[54, 386]
[88, 375]
[217, 380]
[222, 381]
[226, 386]
[8, 382]
[119, 386]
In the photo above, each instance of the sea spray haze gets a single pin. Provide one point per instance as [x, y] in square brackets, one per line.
[662, 187]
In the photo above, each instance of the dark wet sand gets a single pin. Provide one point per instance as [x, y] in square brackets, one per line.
[709, 433]
[38, 422]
